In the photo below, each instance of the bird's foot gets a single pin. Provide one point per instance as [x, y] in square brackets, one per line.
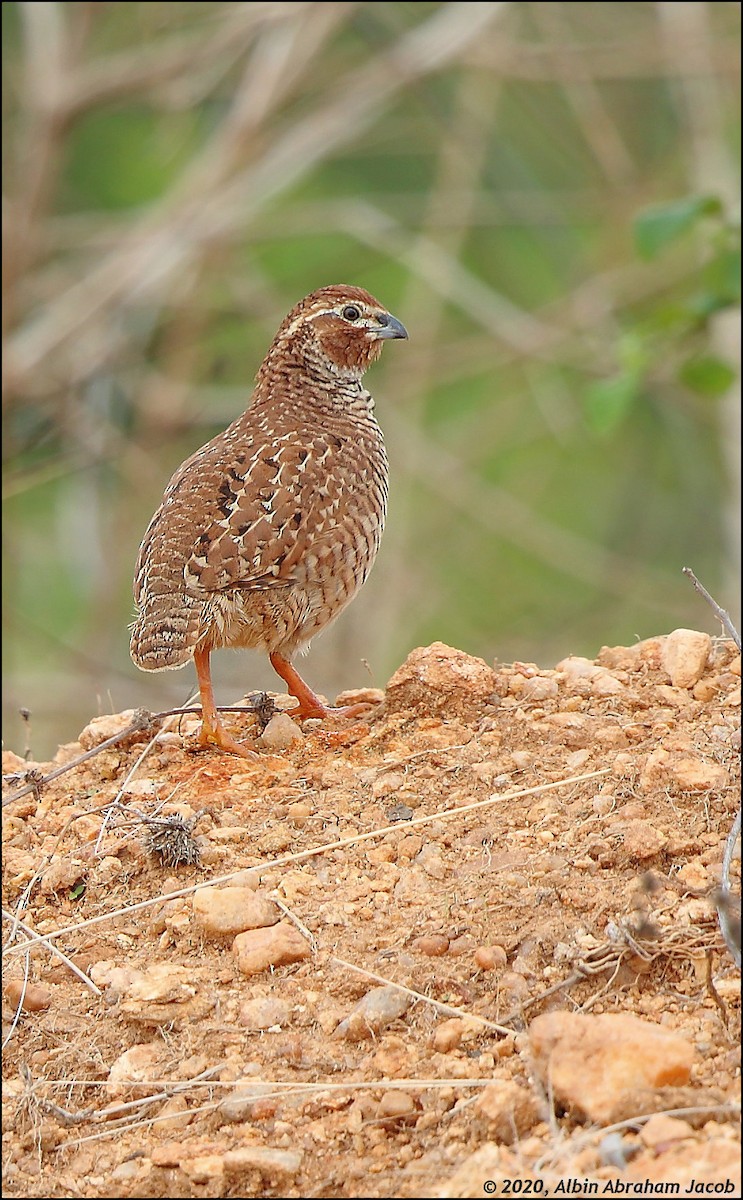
[215, 735]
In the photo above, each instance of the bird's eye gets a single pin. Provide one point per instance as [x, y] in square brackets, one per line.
[351, 312]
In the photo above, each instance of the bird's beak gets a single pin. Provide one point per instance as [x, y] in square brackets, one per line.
[389, 327]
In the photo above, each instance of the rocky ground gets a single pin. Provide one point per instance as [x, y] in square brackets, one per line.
[471, 939]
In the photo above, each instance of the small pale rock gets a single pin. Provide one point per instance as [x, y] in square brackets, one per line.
[430, 859]
[439, 680]
[606, 684]
[485, 1163]
[136, 1065]
[203, 1168]
[64, 873]
[174, 1115]
[541, 687]
[264, 1013]
[592, 1062]
[661, 1129]
[642, 840]
[275, 1164]
[684, 656]
[432, 944]
[397, 1106]
[487, 958]
[713, 1165]
[696, 775]
[510, 1108]
[377, 1009]
[36, 997]
[101, 728]
[448, 1035]
[369, 695]
[281, 733]
[165, 993]
[239, 1105]
[223, 912]
[655, 771]
[259, 949]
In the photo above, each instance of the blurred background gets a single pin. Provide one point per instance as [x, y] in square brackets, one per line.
[546, 195]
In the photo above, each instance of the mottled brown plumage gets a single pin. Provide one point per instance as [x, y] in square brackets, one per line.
[270, 529]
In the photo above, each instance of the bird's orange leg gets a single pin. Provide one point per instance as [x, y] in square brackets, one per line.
[212, 731]
[309, 705]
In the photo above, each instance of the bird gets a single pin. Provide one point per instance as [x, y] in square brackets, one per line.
[268, 531]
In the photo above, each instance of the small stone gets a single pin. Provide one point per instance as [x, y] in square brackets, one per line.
[377, 1009]
[541, 687]
[100, 729]
[432, 944]
[396, 1107]
[278, 1165]
[642, 840]
[240, 1104]
[592, 1062]
[696, 775]
[488, 958]
[448, 1035]
[203, 1168]
[369, 695]
[135, 1066]
[439, 680]
[226, 911]
[174, 1115]
[258, 950]
[264, 1013]
[510, 1109]
[36, 997]
[684, 656]
[164, 993]
[430, 859]
[662, 1129]
[281, 733]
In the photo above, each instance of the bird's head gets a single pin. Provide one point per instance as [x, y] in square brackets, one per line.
[339, 329]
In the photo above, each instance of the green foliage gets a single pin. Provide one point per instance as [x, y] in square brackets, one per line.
[660, 337]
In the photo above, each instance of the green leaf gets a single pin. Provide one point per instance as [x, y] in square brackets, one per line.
[656, 228]
[707, 375]
[608, 401]
[77, 891]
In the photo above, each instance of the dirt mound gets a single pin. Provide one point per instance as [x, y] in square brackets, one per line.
[411, 928]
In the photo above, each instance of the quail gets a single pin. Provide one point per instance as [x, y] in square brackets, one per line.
[268, 531]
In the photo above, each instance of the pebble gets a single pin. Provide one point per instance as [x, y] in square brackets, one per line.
[174, 1115]
[541, 687]
[281, 733]
[448, 1035]
[377, 1009]
[258, 950]
[684, 656]
[264, 1013]
[101, 728]
[135, 1065]
[430, 859]
[440, 680]
[642, 840]
[432, 944]
[487, 958]
[592, 1062]
[509, 1108]
[395, 1107]
[662, 1129]
[696, 775]
[275, 1164]
[36, 997]
[223, 912]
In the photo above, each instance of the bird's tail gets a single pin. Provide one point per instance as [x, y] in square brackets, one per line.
[163, 635]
